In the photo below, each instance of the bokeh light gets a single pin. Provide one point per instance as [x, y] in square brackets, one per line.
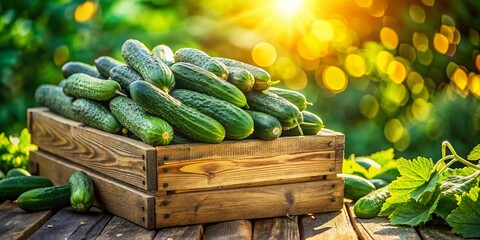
[440, 42]
[85, 11]
[389, 38]
[334, 79]
[264, 54]
[369, 106]
[396, 71]
[355, 65]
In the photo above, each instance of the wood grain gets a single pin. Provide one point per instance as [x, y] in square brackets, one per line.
[437, 232]
[333, 225]
[116, 156]
[238, 230]
[248, 203]
[17, 224]
[119, 228]
[192, 232]
[276, 228]
[110, 195]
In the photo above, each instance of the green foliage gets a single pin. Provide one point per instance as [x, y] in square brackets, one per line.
[15, 151]
[380, 165]
[465, 220]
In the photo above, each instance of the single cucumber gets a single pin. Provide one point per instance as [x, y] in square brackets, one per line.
[80, 85]
[389, 175]
[200, 80]
[52, 96]
[266, 126]
[370, 205]
[367, 163]
[185, 119]
[202, 60]
[17, 172]
[105, 63]
[154, 71]
[71, 68]
[125, 76]
[11, 188]
[180, 138]
[241, 78]
[237, 123]
[95, 115]
[378, 183]
[270, 103]
[311, 125]
[45, 198]
[262, 79]
[165, 54]
[150, 129]
[81, 185]
[294, 97]
[356, 187]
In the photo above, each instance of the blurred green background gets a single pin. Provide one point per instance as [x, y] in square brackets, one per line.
[402, 74]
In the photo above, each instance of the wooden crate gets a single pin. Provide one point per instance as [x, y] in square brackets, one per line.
[193, 183]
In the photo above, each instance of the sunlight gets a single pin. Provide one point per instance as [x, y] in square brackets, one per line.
[288, 7]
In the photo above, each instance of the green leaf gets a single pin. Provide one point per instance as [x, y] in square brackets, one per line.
[415, 213]
[446, 205]
[465, 219]
[25, 138]
[383, 157]
[474, 154]
[424, 192]
[351, 167]
[393, 203]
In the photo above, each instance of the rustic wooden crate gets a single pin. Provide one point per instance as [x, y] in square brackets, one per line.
[193, 183]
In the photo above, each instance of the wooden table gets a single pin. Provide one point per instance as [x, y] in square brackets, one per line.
[97, 224]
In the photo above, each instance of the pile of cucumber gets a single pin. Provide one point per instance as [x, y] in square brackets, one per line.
[162, 97]
[35, 193]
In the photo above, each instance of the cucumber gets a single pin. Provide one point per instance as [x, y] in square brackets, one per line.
[202, 60]
[370, 205]
[62, 83]
[200, 80]
[185, 119]
[272, 104]
[356, 187]
[71, 68]
[150, 129]
[52, 96]
[41, 199]
[80, 85]
[294, 97]
[95, 115]
[311, 125]
[154, 71]
[17, 172]
[81, 185]
[105, 63]
[237, 123]
[165, 54]
[125, 75]
[241, 78]
[179, 138]
[11, 188]
[266, 126]
[389, 175]
[378, 183]
[262, 79]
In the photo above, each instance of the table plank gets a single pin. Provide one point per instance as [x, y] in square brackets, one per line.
[333, 225]
[240, 229]
[276, 228]
[192, 232]
[120, 228]
[436, 232]
[17, 224]
[68, 224]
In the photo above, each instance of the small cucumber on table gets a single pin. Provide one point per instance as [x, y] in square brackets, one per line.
[356, 186]
[165, 54]
[180, 138]
[71, 68]
[266, 126]
[311, 125]
[183, 118]
[370, 205]
[81, 185]
[378, 183]
[105, 63]
[41, 199]
[54, 98]
[197, 79]
[11, 188]
[150, 129]
[154, 71]
[125, 75]
[241, 78]
[17, 172]
[294, 97]
[237, 123]
[202, 60]
[95, 115]
[80, 85]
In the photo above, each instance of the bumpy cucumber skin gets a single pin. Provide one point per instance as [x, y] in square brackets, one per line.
[105, 63]
[262, 79]
[195, 78]
[266, 126]
[356, 186]
[370, 205]
[237, 123]
[80, 85]
[150, 129]
[165, 54]
[183, 118]
[202, 60]
[17, 172]
[125, 75]
[52, 96]
[71, 68]
[309, 118]
[378, 183]
[294, 97]
[82, 196]
[179, 138]
[241, 78]
[41, 199]
[154, 71]
[95, 115]
[276, 106]
[11, 188]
